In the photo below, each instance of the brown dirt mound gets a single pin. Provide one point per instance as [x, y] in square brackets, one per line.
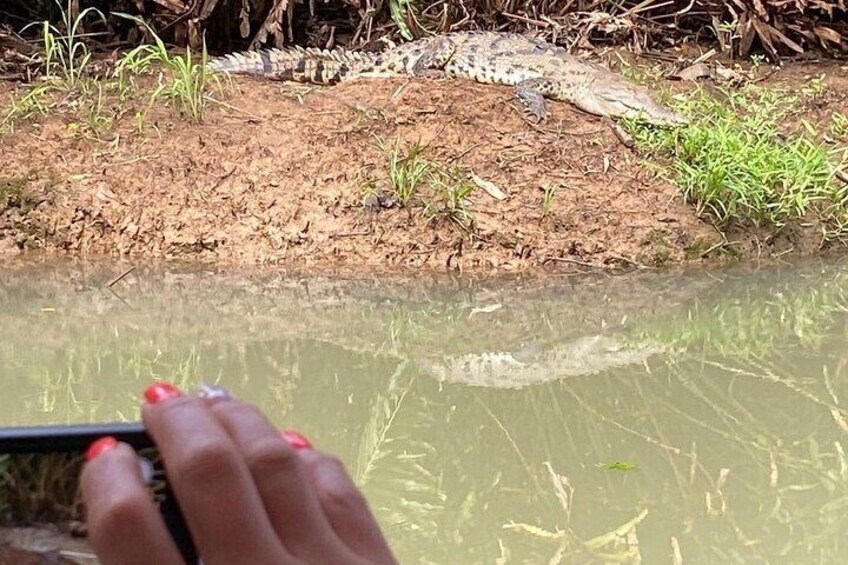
[278, 175]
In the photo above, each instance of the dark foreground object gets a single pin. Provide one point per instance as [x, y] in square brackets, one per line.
[40, 468]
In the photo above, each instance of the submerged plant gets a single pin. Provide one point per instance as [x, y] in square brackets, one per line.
[393, 462]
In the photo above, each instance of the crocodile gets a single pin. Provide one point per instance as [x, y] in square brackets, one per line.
[536, 68]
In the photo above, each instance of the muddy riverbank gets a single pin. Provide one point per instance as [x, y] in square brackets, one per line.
[295, 176]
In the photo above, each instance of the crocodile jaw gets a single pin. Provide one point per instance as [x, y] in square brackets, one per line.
[624, 100]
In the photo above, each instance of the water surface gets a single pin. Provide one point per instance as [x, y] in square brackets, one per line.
[679, 417]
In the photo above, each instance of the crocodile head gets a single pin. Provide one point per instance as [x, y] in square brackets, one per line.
[618, 98]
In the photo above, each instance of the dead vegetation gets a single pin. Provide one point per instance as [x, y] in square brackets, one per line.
[739, 27]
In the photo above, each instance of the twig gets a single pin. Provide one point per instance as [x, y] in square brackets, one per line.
[181, 17]
[119, 297]
[221, 179]
[231, 107]
[714, 247]
[574, 262]
[120, 277]
[464, 153]
[630, 261]
[538, 23]
[351, 234]
[625, 138]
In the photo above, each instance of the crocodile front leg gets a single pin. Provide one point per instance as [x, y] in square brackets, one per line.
[434, 58]
[531, 93]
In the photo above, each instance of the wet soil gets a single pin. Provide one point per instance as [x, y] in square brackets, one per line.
[281, 174]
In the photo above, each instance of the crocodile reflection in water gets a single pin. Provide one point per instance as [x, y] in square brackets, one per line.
[533, 363]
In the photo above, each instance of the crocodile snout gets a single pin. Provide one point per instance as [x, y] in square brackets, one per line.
[624, 100]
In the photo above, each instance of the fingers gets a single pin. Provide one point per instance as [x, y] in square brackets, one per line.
[345, 507]
[125, 526]
[282, 481]
[211, 481]
[248, 493]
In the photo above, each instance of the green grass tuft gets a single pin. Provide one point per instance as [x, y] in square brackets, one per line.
[453, 189]
[407, 170]
[66, 55]
[183, 80]
[66, 59]
[32, 103]
[735, 162]
[839, 126]
[68, 82]
[415, 180]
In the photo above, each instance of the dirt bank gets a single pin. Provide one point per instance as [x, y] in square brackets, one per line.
[281, 174]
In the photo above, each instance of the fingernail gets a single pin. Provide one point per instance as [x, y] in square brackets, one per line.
[213, 392]
[160, 391]
[102, 445]
[296, 439]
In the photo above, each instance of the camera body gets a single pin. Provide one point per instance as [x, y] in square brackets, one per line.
[46, 455]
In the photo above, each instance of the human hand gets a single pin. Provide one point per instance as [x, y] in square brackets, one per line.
[248, 493]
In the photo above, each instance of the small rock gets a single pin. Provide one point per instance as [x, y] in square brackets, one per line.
[378, 201]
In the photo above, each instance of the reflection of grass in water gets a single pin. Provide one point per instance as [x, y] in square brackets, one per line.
[807, 485]
[392, 462]
[72, 390]
[458, 327]
[100, 379]
[755, 325]
[797, 484]
[409, 325]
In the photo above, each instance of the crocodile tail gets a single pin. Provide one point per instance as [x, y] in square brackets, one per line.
[297, 64]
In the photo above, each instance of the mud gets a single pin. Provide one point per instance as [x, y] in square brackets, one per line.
[281, 175]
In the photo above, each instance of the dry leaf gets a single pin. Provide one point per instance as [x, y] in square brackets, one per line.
[693, 72]
[207, 9]
[176, 6]
[488, 186]
[244, 20]
[747, 33]
[828, 34]
[764, 33]
[786, 41]
[273, 25]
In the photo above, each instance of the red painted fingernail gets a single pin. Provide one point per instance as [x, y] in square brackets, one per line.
[296, 439]
[161, 391]
[102, 445]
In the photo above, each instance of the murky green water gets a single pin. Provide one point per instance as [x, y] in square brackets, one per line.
[686, 417]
